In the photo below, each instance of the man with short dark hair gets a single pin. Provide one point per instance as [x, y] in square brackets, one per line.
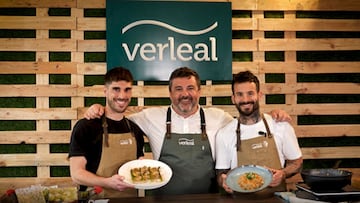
[98, 147]
[256, 138]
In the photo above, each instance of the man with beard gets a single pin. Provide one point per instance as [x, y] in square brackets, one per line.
[276, 144]
[183, 135]
[98, 147]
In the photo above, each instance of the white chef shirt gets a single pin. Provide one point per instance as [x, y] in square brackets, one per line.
[283, 133]
[153, 122]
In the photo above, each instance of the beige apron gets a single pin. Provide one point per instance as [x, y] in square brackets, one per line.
[260, 151]
[117, 149]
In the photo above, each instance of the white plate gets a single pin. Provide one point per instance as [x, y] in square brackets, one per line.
[165, 172]
[234, 174]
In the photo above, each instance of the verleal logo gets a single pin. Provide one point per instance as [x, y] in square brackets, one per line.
[149, 51]
[185, 141]
[158, 23]
[152, 38]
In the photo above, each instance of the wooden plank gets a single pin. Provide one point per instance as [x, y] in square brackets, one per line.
[91, 3]
[35, 137]
[38, 4]
[331, 152]
[38, 90]
[243, 5]
[308, 44]
[38, 114]
[309, 109]
[244, 45]
[35, 22]
[238, 66]
[327, 109]
[244, 24]
[92, 45]
[338, 25]
[16, 67]
[91, 24]
[308, 131]
[15, 44]
[310, 5]
[309, 67]
[328, 88]
[96, 91]
[312, 88]
[348, 5]
[54, 159]
[235, 3]
[91, 68]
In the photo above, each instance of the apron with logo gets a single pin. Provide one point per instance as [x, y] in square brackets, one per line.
[260, 151]
[190, 158]
[117, 149]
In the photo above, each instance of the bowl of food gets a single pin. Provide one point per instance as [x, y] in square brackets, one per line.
[326, 179]
[248, 178]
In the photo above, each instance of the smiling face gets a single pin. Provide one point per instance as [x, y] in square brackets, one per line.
[246, 98]
[118, 96]
[184, 95]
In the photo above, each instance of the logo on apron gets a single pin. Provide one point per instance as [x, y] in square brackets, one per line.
[186, 142]
[263, 144]
[125, 142]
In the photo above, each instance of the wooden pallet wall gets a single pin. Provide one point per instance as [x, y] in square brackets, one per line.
[42, 45]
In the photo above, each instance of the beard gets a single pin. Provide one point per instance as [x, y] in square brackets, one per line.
[248, 111]
[186, 108]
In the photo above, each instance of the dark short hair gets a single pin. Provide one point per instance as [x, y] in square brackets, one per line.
[184, 72]
[245, 76]
[118, 74]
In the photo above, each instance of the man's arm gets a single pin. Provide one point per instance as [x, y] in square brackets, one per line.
[94, 111]
[291, 168]
[280, 115]
[83, 177]
[221, 177]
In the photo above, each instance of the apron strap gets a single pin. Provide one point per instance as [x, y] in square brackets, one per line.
[238, 135]
[269, 134]
[129, 127]
[202, 122]
[105, 129]
[168, 124]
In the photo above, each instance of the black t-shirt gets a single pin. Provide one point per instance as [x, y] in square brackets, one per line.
[86, 139]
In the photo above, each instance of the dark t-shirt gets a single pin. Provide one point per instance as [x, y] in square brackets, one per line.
[86, 139]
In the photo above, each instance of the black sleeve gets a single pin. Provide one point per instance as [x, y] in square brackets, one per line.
[86, 140]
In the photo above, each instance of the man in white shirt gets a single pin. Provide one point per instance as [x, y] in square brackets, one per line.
[255, 138]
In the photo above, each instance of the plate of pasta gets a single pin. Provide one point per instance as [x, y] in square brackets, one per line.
[248, 178]
[146, 173]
